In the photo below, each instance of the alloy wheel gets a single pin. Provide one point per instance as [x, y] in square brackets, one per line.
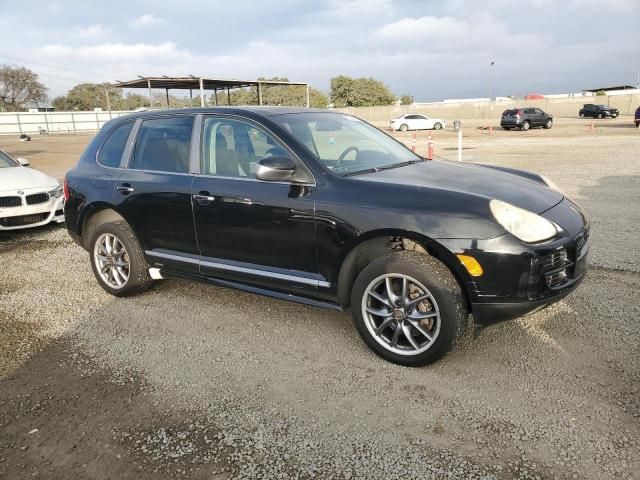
[401, 314]
[112, 260]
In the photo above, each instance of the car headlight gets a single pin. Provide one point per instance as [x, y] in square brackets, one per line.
[56, 192]
[525, 225]
[551, 184]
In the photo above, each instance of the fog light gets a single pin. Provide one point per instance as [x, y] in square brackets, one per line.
[471, 264]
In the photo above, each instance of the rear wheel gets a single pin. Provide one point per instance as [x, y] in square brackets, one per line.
[404, 127]
[525, 125]
[408, 308]
[600, 116]
[582, 115]
[437, 126]
[117, 260]
[548, 124]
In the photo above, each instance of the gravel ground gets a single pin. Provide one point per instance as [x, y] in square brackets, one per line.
[196, 381]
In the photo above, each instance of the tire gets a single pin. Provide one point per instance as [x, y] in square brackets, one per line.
[404, 127]
[600, 116]
[444, 304]
[582, 115]
[548, 124]
[506, 128]
[525, 126]
[137, 273]
[437, 126]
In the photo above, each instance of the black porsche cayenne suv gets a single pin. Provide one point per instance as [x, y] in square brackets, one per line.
[324, 209]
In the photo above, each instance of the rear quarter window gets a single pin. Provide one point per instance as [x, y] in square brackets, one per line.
[110, 152]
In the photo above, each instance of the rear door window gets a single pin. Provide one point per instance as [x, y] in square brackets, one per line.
[163, 145]
[110, 153]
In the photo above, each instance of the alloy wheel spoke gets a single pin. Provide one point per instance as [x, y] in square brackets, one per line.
[124, 275]
[393, 298]
[419, 328]
[117, 277]
[416, 315]
[406, 329]
[396, 336]
[417, 300]
[404, 296]
[380, 312]
[384, 325]
[380, 298]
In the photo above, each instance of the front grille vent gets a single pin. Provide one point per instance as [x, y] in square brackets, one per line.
[10, 202]
[23, 220]
[37, 198]
[555, 260]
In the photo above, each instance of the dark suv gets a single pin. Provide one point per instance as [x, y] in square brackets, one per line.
[597, 111]
[324, 209]
[525, 118]
[636, 117]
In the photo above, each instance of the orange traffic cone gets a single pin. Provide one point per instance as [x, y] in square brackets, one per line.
[430, 149]
[413, 143]
[592, 126]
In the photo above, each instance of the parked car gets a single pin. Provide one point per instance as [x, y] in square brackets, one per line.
[636, 118]
[324, 209]
[28, 197]
[597, 111]
[414, 121]
[525, 118]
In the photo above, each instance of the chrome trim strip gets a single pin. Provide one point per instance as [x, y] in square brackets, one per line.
[236, 268]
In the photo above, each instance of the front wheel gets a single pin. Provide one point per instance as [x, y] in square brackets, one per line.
[525, 125]
[408, 308]
[117, 260]
[600, 116]
[582, 115]
[437, 126]
[548, 124]
[404, 127]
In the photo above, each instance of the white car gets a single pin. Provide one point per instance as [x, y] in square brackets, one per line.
[28, 197]
[415, 121]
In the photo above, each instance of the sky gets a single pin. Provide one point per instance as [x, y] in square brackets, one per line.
[431, 50]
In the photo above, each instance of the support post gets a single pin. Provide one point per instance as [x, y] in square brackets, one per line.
[191, 97]
[228, 97]
[150, 96]
[106, 91]
[215, 93]
[73, 122]
[460, 144]
[201, 93]
[308, 102]
[260, 93]
[166, 92]
[19, 124]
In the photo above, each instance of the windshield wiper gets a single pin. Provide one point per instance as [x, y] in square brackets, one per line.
[384, 167]
[361, 172]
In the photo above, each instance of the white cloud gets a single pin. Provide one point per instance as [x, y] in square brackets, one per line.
[146, 20]
[350, 8]
[422, 28]
[111, 51]
[91, 31]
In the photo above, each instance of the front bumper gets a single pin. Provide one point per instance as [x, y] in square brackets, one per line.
[29, 216]
[518, 278]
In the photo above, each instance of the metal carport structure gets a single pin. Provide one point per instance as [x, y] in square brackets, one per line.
[201, 84]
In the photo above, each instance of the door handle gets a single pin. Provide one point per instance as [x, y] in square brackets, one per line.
[203, 198]
[125, 189]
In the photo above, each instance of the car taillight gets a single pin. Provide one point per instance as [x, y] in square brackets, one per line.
[65, 189]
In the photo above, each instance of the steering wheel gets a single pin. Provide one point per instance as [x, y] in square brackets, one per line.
[345, 153]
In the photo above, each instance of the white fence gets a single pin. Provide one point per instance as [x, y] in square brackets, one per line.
[16, 123]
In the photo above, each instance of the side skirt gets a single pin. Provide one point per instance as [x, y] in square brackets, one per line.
[249, 288]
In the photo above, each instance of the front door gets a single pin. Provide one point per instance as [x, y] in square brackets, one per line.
[256, 232]
[154, 193]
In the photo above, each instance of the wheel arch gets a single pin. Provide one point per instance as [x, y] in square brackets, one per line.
[94, 215]
[375, 244]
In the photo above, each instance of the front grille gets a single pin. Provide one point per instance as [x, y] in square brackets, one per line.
[37, 198]
[554, 268]
[581, 242]
[10, 202]
[22, 220]
[555, 260]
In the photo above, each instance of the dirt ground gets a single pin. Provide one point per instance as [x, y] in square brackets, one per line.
[195, 381]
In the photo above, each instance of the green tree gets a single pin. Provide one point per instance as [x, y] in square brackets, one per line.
[406, 100]
[359, 92]
[20, 87]
[87, 96]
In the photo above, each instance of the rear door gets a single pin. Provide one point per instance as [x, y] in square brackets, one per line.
[154, 192]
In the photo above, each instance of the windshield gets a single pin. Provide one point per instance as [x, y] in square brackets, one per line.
[345, 144]
[6, 161]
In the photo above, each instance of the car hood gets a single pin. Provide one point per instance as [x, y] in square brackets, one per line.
[23, 178]
[473, 179]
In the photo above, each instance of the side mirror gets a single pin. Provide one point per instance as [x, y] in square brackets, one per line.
[23, 161]
[275, 169]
